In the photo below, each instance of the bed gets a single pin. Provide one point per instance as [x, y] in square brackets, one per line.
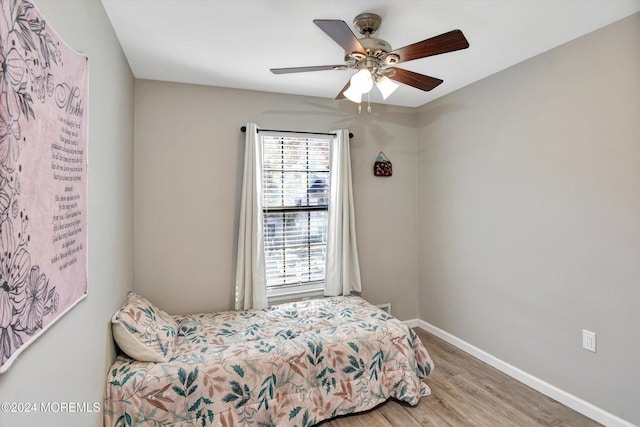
[293, 364]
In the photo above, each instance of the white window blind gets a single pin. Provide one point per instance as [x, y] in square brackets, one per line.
[295, 179]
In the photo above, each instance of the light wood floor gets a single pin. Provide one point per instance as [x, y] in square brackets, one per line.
[467, 392]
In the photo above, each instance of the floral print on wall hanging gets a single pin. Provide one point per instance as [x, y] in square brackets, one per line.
[43, 177]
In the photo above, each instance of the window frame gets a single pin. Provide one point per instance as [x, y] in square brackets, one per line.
[301, 290]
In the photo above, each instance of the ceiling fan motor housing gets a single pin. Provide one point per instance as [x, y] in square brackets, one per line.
[375, 45]
[367, 24]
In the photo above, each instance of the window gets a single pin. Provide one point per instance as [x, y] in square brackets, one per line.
[295, 192]
[296, 231]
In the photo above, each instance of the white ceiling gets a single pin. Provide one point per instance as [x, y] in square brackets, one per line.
[234, 43]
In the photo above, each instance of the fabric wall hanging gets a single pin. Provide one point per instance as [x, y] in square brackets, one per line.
[43, 177]
[382, 166]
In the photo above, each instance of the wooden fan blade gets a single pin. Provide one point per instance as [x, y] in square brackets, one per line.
[340, 32]
[305, 69]
[416, 80]
[447, 42]
[341, 94]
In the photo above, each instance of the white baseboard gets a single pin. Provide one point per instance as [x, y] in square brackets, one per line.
[567, 399]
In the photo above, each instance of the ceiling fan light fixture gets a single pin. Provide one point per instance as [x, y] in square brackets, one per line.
[362, 81]
[386, 86]
[353, 95]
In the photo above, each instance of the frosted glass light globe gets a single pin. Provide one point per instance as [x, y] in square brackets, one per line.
[362, 81]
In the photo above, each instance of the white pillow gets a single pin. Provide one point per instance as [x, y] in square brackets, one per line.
[143, 331]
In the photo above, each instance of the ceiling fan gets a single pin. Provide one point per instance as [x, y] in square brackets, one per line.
[374, 59]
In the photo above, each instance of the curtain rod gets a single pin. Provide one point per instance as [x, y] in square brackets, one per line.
[244, 129]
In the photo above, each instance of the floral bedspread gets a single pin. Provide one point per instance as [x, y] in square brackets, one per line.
[294, 364]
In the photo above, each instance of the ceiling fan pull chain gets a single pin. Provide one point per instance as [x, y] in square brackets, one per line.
[359, 108]
[369, 102]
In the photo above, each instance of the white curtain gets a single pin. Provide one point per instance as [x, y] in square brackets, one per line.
[343, 267]
[251, 289]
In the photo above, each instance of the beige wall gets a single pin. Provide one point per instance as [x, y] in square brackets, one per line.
[529, 215]
[188, 172]
[69, 362]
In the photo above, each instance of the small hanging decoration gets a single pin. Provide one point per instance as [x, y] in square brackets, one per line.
[382, 166]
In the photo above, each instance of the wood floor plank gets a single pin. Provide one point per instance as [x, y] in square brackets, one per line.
[396, 416]
[371, 418]
[466, 392]
[501, 408]
[433, 408]
[433, 418]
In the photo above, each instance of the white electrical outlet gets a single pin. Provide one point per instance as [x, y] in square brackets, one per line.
[589, 340]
